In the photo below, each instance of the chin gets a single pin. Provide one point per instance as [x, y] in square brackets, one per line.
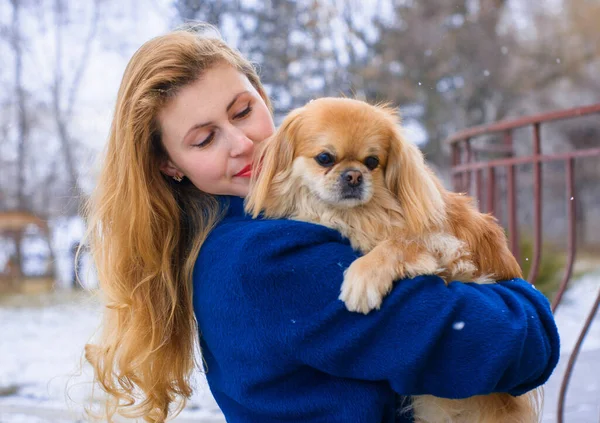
[345, 201]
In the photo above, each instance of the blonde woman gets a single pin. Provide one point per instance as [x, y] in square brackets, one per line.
[180, 263]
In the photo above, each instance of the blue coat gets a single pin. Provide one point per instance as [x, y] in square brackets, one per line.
[278, 345]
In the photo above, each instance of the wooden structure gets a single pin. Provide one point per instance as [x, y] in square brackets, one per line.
[13, 226]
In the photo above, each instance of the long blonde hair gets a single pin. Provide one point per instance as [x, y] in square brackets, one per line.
[145, 231]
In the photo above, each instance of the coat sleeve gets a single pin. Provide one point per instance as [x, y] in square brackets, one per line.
[451, 341]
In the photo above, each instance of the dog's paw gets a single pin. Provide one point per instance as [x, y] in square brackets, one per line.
[425, 264]
[365, 286]
[462, 270]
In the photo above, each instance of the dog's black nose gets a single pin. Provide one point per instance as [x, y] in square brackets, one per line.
[352, 177]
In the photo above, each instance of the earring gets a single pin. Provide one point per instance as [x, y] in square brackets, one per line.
[177, 178]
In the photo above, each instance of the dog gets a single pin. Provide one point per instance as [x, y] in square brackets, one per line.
[346, 164]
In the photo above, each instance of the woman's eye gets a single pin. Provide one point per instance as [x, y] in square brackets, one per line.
[325, 159]
[206, 141]
[244, 112]
[371, 162]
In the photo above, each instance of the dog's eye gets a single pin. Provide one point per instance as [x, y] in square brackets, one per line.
[325, 159]
[371, 162]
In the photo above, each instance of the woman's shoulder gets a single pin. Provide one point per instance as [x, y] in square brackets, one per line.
[270, 245]
[238, 232]
[263, 241]
[267, 259]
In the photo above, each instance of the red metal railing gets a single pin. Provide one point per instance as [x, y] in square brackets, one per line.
[468, 176]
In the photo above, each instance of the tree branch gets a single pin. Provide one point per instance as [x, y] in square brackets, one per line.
[83, 60]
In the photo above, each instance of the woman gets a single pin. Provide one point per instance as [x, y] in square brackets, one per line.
[173, 247]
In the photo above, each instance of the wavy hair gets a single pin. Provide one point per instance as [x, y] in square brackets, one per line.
[145, 231]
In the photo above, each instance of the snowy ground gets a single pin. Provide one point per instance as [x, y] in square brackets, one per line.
[583, 394]
[40, 356]
[43, 338]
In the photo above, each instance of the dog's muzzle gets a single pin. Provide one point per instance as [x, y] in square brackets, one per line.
[351, 184]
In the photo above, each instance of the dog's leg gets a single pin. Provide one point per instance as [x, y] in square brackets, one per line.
[454, 257]
[370, 277]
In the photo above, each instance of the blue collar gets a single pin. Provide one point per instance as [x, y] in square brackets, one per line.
[234, 205]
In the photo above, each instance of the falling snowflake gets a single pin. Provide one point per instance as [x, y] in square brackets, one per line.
[458, 325]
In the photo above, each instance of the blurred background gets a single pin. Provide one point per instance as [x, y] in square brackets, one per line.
[447, 65]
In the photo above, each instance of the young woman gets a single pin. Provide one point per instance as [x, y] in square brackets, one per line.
[177, 258]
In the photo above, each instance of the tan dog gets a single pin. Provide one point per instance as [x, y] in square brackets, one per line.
[345, 164]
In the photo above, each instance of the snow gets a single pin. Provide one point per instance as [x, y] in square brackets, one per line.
[583, 394]
[573, 311]
[44, 379]
[458, 325]
[43, 376]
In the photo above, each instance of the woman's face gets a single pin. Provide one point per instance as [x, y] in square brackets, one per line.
[209, 130]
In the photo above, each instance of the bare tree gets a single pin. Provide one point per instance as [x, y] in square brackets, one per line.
[22, 123]
[64, 97]
[20, 95]
[290, 41]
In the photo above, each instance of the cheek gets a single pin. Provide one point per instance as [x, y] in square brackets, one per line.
[331, 180]
[205, 168]
[377, 176]
[264, 127]
[313, 176]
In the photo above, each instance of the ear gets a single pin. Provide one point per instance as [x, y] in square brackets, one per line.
[413, 183]
[273, 160]
[168, 168]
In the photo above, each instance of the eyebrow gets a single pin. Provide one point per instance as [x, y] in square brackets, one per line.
[202, 125]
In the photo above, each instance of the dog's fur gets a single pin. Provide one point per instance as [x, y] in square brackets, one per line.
[397, 213]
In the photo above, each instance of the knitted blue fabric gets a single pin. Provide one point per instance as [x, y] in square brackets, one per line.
[279, 346]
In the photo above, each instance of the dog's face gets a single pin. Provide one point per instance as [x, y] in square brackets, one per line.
[344, 151]
[340, 150]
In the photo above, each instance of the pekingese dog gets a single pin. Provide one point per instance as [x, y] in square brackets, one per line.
[345, 164]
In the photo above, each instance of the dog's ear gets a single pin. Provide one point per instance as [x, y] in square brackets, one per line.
[273, 160]
[412, 181]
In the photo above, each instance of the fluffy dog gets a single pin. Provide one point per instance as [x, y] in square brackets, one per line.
[345, 164]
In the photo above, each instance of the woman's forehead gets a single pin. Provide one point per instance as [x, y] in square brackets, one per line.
[213, 89]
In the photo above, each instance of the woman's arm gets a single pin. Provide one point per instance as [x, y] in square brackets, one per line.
[450, 341]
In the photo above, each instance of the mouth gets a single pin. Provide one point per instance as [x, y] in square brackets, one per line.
[351, 193]
[246, 172]
[352, 196]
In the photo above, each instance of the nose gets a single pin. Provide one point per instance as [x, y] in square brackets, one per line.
[240, 144]
[352, 177]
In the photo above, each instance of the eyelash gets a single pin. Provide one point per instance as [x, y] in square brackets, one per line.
[240, 115]
[244, 112]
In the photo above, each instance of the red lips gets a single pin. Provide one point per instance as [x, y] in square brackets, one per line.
[245, 172]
